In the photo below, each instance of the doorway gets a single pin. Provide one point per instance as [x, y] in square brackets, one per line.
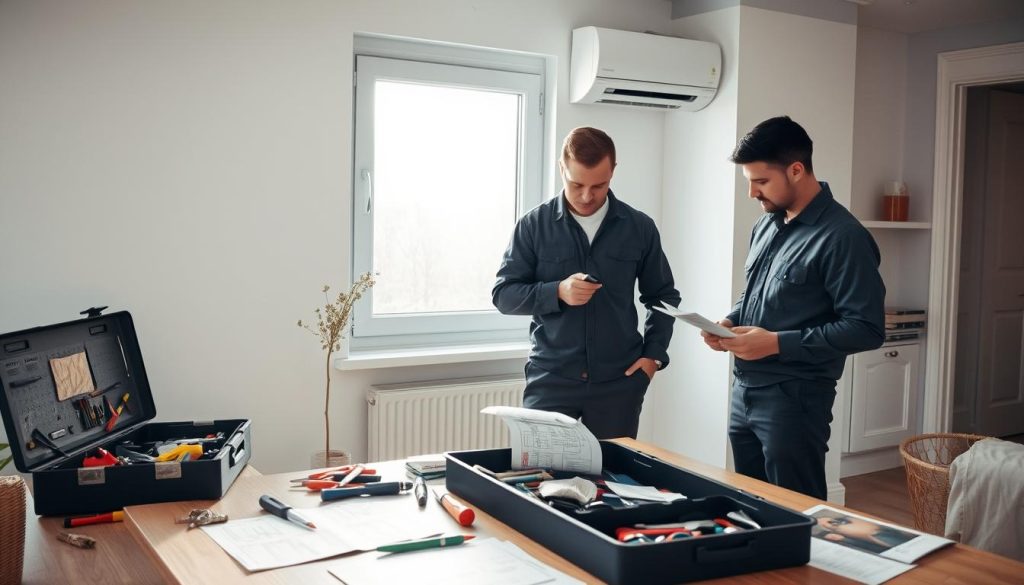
[957, 72]
[988, 393]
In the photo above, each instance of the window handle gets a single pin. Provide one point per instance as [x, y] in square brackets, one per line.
[368, 178]
[892, 354]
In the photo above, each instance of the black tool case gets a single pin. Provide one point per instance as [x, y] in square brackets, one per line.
[587, 537]
[51, 433]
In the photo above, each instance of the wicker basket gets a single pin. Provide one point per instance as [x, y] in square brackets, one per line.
[926, 459]
[12, 528]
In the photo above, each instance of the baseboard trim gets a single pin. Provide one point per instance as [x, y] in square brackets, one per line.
[870, 462]
[837, 493]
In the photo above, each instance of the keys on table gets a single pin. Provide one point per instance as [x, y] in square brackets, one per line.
[201, 517]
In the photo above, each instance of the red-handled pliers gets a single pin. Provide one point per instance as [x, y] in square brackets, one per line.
[344, 469]
[315, 485]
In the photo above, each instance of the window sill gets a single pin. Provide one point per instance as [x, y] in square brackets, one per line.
[426, 356]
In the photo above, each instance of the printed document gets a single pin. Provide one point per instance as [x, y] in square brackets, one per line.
[478, 562]
[549, 440]
[696, 319]
[863, 549]
[854, 564]
[268, 542]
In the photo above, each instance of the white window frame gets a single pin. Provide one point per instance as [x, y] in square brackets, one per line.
[458, 66]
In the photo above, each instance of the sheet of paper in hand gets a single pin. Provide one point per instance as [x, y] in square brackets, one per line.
[696, 319]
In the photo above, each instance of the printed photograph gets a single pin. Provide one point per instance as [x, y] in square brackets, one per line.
[856, 532]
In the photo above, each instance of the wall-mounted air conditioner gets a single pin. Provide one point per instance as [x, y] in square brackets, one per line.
[641, 69]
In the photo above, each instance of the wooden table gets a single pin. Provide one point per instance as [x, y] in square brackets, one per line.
[117, 558]
[176, 555]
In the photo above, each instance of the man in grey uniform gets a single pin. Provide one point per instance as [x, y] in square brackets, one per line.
[813, 296]
[572, 265]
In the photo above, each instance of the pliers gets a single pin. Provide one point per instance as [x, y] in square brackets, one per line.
[343, 470]
[315, 485]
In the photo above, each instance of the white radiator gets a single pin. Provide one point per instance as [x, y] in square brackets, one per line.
[431, 417]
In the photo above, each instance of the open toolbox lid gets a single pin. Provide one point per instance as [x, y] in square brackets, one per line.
[59, 383]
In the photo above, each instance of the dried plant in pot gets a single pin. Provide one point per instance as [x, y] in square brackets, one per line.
[331, 323]
[12, 523]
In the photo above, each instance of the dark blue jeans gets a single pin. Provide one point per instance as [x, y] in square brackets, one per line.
[609, 409]
[779, 433]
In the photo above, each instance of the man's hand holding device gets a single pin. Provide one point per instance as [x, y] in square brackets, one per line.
[577, 289]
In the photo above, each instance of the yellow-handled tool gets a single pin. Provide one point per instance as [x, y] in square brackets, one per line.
[175, 454]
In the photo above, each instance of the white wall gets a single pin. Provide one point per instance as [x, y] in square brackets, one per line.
[879, 135]
[698, 234]
[190, 162]
[810, 78]
[879, 117]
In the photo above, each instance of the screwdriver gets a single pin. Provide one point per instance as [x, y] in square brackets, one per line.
[282, 510]
[390, 488]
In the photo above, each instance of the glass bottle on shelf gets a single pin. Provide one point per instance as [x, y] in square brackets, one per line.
[895, 202]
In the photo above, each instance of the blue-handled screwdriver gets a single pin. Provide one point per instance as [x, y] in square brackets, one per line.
[388, 488]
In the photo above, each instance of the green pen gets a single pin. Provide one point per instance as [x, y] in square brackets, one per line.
[432, 542]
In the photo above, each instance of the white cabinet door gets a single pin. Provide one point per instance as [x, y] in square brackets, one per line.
[883, 409]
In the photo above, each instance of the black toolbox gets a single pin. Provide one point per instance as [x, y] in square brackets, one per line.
[586, 537]
[61, 386]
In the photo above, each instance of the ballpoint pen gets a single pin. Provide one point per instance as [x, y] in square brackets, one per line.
[432, 542]
[420, 489]
[462, 514]
[356, 471]
[282, 510]
[389, 488]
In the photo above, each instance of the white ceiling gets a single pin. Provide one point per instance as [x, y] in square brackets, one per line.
[914, 16]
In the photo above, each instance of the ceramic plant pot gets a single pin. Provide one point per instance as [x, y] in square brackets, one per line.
[334, 458]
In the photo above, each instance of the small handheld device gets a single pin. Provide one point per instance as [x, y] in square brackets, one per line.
[591, 278]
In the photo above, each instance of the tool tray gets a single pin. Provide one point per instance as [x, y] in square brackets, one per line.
[60, 387]
[586, 537]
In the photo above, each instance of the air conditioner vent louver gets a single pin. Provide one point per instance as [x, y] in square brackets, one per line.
[641, 104]
[651, 94]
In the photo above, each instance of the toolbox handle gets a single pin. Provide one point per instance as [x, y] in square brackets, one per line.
[707, 555]
[93, 312]
[237, 445]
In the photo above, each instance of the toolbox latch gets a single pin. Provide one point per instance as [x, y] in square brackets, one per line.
[93, 312]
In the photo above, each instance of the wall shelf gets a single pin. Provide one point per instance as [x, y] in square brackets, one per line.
[902, 225]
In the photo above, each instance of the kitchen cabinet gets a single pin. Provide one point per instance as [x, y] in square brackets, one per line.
[884, 396]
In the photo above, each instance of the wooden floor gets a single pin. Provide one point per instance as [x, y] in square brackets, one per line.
[884, 493]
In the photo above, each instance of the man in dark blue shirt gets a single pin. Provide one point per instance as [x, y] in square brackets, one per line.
[813, 296]
[573, 264]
